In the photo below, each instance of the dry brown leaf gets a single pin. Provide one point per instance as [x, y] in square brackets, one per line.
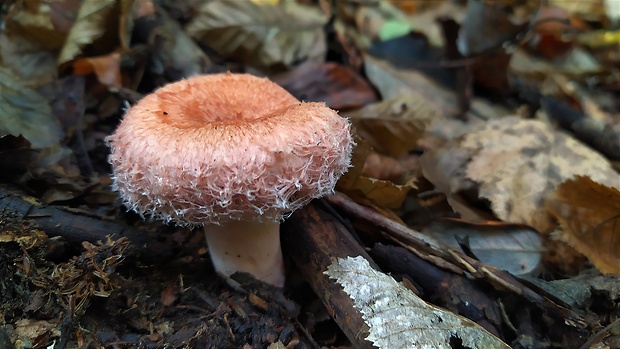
[444, 166]
[169, 294]
[24, 111]
[360, 152]
[35, 32]
[95, 20]
[175, 55]
[339, 86]
[28, 329]
[394, 126]
[416, 6]
[126, 15]
[393, 82]
[516, 162]
[384, 193]
[386, 167]
[262, 35]
[589, 214]
[26, 59]
[555, 32]
[44, 23]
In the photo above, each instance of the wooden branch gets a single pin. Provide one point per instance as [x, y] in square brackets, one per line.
[602, 135]
[455, 292]
[420, 245]
[16, 207]
[314, 238]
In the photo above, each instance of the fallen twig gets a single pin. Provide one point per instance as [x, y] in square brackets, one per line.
[418, 243]
[17, 207]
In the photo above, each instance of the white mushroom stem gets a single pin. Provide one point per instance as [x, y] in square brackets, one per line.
[249, 247]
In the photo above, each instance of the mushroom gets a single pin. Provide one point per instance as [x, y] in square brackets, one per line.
[233, 153]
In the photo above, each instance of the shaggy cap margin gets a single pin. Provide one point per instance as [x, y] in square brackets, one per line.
[224, 147]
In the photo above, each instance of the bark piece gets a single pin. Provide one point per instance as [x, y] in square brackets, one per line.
[314, 238]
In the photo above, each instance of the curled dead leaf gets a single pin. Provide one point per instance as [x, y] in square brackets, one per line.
[107, 68]
[108, 20]
[388, 168]
[44, 23]
[384, 193]
[589, 215]
[175, 55]
[339, 86]
[394, 126]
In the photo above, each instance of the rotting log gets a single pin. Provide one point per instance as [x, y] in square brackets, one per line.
[315, 238]
[17, 208]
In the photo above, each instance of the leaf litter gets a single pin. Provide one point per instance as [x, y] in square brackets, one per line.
[486, 127]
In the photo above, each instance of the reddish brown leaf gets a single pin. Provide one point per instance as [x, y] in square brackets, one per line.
[339, 86]
[382, 192]
[388, 168]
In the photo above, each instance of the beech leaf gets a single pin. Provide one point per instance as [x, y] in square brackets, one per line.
[517, 162]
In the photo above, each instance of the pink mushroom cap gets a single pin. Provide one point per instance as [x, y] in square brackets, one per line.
[222, 147]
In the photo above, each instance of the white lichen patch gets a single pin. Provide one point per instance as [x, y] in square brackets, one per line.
[398, 318]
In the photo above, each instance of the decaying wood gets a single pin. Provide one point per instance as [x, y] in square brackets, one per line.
[314, 238]
[73, 227]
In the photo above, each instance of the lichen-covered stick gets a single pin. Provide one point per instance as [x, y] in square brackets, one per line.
[233, 153]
